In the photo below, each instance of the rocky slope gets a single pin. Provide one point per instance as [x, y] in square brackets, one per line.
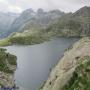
[81, 77]
[30, 19]
[7, 68]
[72, 24]
[27, 20]
[73, 70]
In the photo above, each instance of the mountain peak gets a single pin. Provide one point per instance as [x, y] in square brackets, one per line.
[84, 11]
[85, 8]
[28, 11]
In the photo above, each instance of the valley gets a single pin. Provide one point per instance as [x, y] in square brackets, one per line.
[42, 42]
[75, 24]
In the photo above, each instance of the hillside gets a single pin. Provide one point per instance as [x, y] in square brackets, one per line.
[7, 68]
[25, 38]
[29, 19]
[81, 77]
[6, 19]
[72, 24]
[73, 70]
[69, 25]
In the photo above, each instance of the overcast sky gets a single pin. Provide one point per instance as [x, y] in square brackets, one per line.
[18, 6]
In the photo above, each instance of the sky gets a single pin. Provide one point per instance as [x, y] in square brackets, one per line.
[17, 6]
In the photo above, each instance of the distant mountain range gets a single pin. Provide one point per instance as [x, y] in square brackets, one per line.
[34, 20]
[46, 25]
[6, 19]
[27, 20]
[72, 24]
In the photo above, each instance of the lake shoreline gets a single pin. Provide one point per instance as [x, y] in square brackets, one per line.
[64, 71]
[48, 56]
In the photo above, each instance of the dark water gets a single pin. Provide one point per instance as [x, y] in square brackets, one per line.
[35, 61]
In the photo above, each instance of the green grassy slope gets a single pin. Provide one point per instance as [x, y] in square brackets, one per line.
[25, 38]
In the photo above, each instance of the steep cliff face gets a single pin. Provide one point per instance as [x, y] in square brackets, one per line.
[75, 56]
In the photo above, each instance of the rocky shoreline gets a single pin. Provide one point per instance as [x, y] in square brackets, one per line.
[8, 66]
[6, 79]
[63, 72]
[60, 75]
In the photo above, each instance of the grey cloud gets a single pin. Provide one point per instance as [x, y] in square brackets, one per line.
[64, 5]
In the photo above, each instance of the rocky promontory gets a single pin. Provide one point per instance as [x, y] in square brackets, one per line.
[7, 68]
